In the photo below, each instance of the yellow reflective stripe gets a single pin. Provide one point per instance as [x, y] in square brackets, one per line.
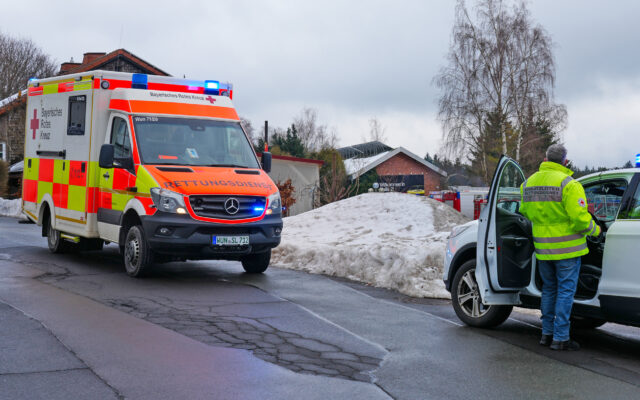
[77, 221]
[93, 172]
[31, 215]
[31, 172]
[86, 85]
[126, 193]
[44, 188]
[61, 171]
[564, 250]
[144, 182]
[50, 89]
[77, 198]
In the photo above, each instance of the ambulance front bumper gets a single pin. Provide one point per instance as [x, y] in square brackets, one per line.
[180, 236]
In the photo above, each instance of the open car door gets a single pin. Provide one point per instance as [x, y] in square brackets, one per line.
[505, 243]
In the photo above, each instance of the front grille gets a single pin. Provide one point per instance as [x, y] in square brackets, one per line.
[213, 206]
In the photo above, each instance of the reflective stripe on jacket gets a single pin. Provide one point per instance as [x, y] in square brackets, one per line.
[556, 205]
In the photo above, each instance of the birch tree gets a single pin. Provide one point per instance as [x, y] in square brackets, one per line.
[500, 66]
[20, 60]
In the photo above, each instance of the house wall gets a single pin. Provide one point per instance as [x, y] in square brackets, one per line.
[12, 131]
[305, 178]
[401, 164]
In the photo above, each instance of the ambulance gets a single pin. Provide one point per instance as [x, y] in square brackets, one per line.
[158, 165]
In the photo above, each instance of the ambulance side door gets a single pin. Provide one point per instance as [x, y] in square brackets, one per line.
[76, 146]
[116, 184]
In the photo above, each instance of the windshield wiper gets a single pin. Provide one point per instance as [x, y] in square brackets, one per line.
[226, 165]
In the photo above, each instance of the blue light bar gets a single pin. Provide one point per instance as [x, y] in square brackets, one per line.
[139, 81]
[258, 209]
[212, 87]
[637, 160]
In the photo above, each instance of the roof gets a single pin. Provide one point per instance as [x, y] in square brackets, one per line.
[622, 171]
[360, 167]
[97, 62]
[363, 150]
[91, 62]
[353, 165]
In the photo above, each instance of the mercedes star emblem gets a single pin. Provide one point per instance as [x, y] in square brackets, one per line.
[232, 205]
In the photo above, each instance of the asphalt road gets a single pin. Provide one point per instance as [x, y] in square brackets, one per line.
[75, 326]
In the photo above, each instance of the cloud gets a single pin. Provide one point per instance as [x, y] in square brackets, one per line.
[604, 128]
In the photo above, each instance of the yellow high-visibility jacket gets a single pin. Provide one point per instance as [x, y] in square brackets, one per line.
[556, 205]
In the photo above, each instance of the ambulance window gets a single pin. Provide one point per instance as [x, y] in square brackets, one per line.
[77, 113]
[120, 138]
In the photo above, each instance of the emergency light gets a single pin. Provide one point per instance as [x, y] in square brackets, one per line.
[212, 87]
[637, 160]
[139, 81]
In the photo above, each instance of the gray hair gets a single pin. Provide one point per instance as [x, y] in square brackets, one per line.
[557, 153]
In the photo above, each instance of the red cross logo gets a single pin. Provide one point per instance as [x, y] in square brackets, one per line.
[35, 122]
[210, 99]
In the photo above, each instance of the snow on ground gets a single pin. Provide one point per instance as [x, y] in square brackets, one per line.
[390, 240]
[10, 208]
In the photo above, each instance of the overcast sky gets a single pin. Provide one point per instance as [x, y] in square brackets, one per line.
[354, 60]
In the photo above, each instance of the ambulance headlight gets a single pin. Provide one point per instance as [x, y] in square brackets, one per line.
[168, 201]
[275, 204]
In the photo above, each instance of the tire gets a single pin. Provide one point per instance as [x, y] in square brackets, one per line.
[467, 304]
[137, 255]
[586, 322]
[55, 242]
[256, 263]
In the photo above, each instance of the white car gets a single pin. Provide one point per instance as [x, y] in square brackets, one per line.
[490, 266]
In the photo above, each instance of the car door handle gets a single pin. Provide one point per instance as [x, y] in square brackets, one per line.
[106, 175]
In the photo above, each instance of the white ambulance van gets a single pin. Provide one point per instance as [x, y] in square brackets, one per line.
[158, 165]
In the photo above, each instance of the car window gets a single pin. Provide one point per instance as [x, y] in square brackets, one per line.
[604, 198]
[509, 188]
[633, 212]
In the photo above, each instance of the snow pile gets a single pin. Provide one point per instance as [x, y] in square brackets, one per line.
[390, 240]
[10, 208]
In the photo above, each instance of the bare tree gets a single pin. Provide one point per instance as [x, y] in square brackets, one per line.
[313, 135]
[248, 128]
[499, 64]
[20, 60]
[377, 131]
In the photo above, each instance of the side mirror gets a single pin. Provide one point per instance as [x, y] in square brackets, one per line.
[106, 156]
[266, 161]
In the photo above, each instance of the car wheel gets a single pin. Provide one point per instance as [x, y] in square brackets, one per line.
[138, 257]
[586, 322]
[467, 304]
[256, 263]
[54, 240]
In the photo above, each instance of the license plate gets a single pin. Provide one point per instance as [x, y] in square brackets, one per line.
[230, 240]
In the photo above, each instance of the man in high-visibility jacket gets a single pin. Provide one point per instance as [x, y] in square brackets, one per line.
[556, 205]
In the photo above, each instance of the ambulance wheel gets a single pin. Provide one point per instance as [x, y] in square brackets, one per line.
[467, 304]
[137, 255]
[256, 263]
[55, 241]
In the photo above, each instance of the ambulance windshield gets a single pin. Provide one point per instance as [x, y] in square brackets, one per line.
[183, 141]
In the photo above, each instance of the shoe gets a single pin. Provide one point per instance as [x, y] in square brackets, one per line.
[568, 345]
[545, 340]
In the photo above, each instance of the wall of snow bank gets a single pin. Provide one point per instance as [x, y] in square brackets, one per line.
[10, 208]
[390, 240]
